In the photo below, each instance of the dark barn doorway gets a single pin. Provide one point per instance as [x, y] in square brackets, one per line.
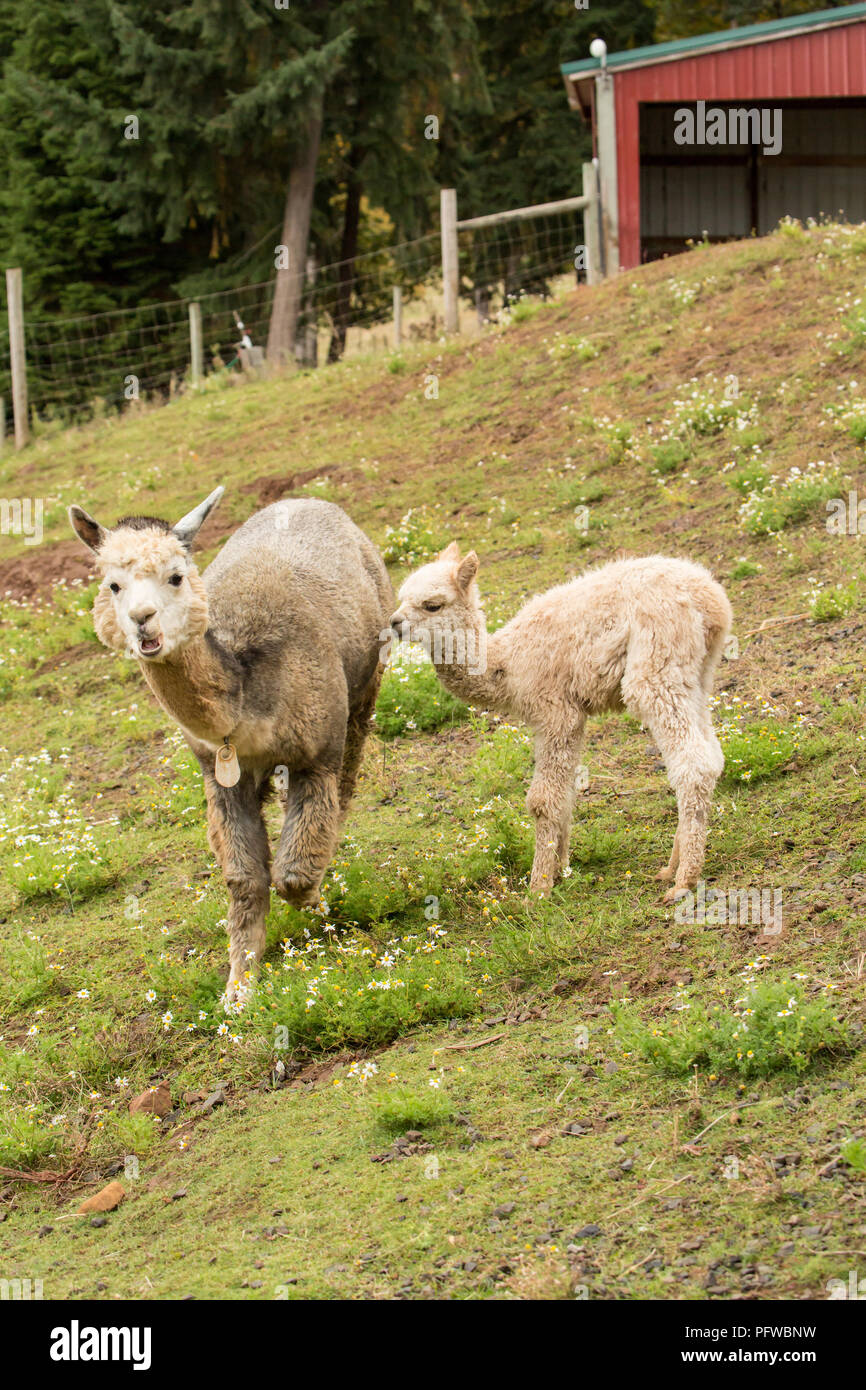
[733, 190]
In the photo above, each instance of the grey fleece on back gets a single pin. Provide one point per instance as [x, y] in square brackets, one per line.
[314, 574]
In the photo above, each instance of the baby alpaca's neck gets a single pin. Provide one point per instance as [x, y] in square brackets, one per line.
[473, 666]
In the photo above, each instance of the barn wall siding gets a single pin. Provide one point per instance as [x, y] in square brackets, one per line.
[827, 63]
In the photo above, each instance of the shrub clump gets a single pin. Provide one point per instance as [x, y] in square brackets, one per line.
[772, 1028]
[790, 498]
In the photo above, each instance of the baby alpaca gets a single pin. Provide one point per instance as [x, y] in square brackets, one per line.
[645, 635]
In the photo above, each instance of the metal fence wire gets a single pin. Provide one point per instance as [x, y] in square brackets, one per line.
[75, 363]
[500, 263]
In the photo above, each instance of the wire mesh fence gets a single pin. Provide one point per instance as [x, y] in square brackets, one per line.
[75, 363]
[505, 261]
[113, 356]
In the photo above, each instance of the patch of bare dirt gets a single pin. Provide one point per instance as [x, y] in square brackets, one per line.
[268, 490]
[26, 576]
[79, 652]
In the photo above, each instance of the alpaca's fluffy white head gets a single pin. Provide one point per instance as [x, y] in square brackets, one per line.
[439, 600]
[152, 601]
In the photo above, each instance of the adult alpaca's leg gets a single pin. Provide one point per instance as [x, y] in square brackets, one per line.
[214, 820]
[239, 839]
[308, 837]
[356, 734]
[550, 801]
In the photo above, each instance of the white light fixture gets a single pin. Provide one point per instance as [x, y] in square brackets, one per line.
[598, 49]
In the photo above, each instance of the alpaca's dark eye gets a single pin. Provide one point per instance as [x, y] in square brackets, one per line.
[176, 580]
[115, 588]
[431, 607]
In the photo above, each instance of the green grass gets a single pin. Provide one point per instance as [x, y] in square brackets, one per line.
[412, 700]
[553, 443]
[669, 457]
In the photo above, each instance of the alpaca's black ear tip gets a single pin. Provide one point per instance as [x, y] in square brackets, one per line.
[88, 531]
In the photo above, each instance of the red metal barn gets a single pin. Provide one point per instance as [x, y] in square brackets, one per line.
[726, 133]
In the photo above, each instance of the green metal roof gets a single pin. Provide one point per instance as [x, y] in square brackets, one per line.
[724, 38]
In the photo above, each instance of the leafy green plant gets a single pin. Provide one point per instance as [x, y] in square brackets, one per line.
[752, 476]
[570, 345]
[834, 603]
[410, 542]
[399, 1108]
[785, 501]
[522, 310]
[854, 1154]
[772, 1028]
[670, 456]
[755, 751]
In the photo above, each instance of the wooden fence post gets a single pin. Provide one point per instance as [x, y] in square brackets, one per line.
[2, 423]
[607, 177]
[307, 341]
[592, 224]
[15, 302]
[450, 263]
[398, 317]
[196, 355]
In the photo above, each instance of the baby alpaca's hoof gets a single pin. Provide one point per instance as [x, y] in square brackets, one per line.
[236, 996]
[664, 875]
[675, 895]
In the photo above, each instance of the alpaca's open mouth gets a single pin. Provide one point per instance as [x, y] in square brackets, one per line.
[149, 646]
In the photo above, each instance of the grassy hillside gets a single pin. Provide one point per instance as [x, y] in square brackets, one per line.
[443, 1088]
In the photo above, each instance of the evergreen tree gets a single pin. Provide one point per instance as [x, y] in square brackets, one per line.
[677, 19]
[74, 256]
[529, 147]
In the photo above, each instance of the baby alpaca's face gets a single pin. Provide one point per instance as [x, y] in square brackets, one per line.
[439, 597]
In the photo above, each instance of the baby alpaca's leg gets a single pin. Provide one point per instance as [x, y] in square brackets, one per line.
[551, 801]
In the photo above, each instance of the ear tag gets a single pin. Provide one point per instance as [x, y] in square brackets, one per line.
[227, 770]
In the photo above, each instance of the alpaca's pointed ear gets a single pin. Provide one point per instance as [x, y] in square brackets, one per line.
[86, 529]
[451, 552]
[467, 571]
[189, 525]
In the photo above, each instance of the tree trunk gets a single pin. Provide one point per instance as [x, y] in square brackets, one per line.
[296, 230]
[348, 252]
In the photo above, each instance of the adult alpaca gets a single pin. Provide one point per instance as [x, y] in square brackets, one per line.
[642, 634]
[274, 652]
